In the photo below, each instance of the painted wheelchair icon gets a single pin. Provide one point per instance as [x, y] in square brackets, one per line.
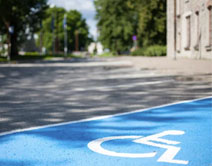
[167, 156]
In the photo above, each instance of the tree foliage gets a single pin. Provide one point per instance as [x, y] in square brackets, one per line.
[52, 32]
[115, 25]
[119, 20]
[152, 22]
[21, 15]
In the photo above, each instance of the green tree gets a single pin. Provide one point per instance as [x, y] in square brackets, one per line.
[52, 33]
[52, 29]
[152, 22]
[77, 28]
[21, 15]
[118, 20]
[115, 24]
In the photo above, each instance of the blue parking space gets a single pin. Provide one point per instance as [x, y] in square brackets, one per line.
[176, 134]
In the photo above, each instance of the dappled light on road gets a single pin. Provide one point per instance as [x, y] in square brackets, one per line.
[35, 96]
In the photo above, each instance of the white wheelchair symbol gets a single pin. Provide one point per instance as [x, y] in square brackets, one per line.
[167, 156]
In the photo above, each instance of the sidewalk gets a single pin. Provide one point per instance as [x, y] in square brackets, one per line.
[169, 66]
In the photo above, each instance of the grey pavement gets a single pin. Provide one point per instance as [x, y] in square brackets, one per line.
[169, 66]
[40, 94]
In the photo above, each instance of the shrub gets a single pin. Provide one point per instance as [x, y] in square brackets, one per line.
[32, 54]
[155, 50]
[3, 59]
[138, 52]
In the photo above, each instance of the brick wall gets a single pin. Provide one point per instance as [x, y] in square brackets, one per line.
[189, 28]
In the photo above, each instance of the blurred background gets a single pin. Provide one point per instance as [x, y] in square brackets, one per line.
[53, 28]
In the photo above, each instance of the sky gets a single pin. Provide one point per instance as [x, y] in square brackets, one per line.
[86, 7]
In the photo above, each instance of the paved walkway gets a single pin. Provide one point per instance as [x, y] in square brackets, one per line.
[170, 66]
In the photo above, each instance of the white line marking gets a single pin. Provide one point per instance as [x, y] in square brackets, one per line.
[171, 152]
[168, 156]
[96, 147]
[99, 117]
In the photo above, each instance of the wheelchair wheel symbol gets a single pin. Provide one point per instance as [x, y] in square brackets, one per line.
[167, 156]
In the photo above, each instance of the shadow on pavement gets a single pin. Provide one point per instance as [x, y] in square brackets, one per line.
[32, 96]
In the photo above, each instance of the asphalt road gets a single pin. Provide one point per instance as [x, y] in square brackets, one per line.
[47, 93]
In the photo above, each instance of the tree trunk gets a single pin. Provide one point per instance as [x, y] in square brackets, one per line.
[12, 41]
[13, 46]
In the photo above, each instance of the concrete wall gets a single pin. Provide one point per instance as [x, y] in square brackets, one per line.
[179, 42]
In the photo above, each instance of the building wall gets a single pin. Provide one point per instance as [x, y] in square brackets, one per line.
[189, 28]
